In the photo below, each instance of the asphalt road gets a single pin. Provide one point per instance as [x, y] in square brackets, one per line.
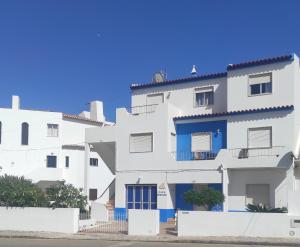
[14, 242]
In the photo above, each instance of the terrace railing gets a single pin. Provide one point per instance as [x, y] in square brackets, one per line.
[142, 109]
[245, 153]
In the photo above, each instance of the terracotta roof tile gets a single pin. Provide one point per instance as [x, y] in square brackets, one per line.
[77, 117]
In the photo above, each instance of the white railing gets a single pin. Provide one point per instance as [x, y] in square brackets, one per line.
[142, 109]
[245, 153]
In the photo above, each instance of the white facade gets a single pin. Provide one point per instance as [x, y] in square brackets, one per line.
[50, 134]
[251, 126]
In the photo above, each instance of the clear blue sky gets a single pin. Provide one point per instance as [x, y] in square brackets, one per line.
[61, 54]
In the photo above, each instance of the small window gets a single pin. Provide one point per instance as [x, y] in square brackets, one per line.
[154, 99]
[204, 97]
[260, 84]
[93, 194]
[93, 162]
[260, 137]
[52, 130]
[141, 143]
[24, 134]
[201, 142]
[51, 161]
[67, 161]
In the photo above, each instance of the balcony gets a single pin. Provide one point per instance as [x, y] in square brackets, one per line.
[246, 153]
[272, 157]
[142, 109]
[190, 156]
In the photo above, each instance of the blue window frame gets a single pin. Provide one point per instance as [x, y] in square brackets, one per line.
[51, 161]
[141, 196]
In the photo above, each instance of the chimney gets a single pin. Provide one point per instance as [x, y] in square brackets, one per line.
[15, 103]
[96, 111]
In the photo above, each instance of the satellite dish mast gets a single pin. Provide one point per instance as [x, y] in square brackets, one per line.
[194, 71]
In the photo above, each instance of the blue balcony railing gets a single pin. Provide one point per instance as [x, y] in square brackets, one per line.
[188, 155]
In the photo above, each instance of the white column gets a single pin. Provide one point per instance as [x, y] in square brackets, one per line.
[225, 188]
[86, 170]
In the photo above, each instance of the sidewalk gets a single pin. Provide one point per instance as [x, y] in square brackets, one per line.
[170, 239]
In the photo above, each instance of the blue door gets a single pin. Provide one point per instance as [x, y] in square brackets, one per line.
[180, 203]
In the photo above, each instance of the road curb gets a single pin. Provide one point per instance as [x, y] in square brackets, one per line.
[114, 238]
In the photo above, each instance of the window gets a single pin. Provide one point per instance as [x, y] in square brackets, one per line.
[260, 84]
[141, 196]
[204, 96]
[67, 161]
[141, 143]
[154, 99]
[51, 161]
[93, 194]
[0, 132]
[24, 134]
[260, 137]
[52, 130]
[201, 141]
[93, 162]
[258, 194]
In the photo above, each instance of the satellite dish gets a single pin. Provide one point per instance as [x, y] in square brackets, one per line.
[159, 77]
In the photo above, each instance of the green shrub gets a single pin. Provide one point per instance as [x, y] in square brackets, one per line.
[207, 197]
[20, 192]
[260, 208]
[65, 195]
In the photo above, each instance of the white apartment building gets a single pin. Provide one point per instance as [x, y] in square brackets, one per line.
[47, 147]
[235, 131]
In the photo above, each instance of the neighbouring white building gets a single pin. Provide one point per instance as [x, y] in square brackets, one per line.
[235, 131]
[47, 147]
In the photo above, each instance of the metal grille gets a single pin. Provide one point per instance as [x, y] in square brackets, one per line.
[115, 223]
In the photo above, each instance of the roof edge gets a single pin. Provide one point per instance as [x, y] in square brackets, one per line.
[233, 113]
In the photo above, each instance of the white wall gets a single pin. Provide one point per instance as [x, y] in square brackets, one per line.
[282, 123]
[182, 95]
[143, 222]
[283, 86]
[63, 220]
[30, 160]
[200, 223]
[238, 179]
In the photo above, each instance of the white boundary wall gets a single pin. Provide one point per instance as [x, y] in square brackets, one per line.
[200, 223]
[143, 222]
[63, 220]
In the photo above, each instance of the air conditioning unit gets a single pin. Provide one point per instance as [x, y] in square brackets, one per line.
[243, 153]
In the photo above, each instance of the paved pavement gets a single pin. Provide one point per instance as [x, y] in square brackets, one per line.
[13, 238]
[14, 242]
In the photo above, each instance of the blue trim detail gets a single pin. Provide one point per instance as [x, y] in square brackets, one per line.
[180, 203]
[180, 80]
[264, 61]
[120, 214]
[184, 137]
[237, 211]
[219, 187]
[165, 214]
[259, 62]
[234, 113]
